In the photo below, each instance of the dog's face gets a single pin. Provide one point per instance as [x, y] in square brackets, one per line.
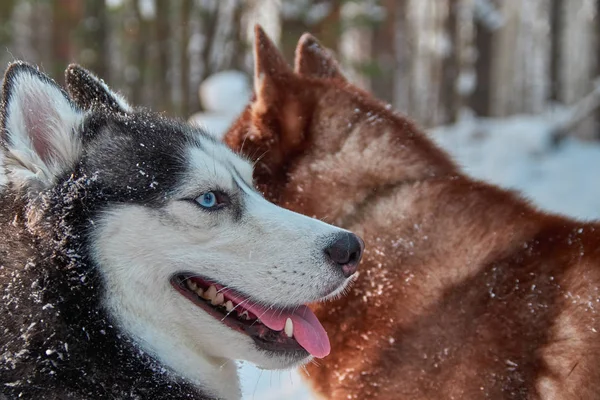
[313, 133]
[196, 264]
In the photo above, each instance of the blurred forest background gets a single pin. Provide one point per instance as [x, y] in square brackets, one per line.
[431, 59]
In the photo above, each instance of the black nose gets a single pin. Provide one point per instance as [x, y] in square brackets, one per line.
[345, 251]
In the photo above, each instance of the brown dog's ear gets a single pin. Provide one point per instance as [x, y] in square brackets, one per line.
[273, 125]
[277, 115]
[312, 59]
[270, 68]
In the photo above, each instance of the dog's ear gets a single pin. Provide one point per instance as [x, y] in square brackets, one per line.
[88, 91]
[312, 59]
[271, 71]
[40, 128]
[276, 115]
[273, 126]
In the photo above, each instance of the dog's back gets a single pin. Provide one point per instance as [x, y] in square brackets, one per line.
[504, 306]
[466, 291]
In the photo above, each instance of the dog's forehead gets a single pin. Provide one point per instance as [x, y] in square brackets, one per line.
[215, 159]
[150, 155]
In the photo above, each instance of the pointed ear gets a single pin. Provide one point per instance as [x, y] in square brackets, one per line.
[89, 91]
[314, 60]
[274, 123]
[270, 68]
[40, 127]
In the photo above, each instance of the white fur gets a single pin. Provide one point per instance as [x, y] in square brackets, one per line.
[37, 110]
[139, 249]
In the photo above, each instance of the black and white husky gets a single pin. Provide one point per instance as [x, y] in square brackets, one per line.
[136, 259]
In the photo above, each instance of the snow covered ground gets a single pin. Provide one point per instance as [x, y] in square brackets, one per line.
[518, 153]
[223, 96]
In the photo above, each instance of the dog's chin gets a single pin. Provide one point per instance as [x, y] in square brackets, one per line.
[273, 361]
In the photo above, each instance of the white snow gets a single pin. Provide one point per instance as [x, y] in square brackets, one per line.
[225, 92]
[223, 95]
[517, 153]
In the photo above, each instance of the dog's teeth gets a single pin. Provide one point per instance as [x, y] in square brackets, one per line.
[217, 300]
[210, 293]
[200, 292]
[228, 305]
[244, 315]
[289, 327]
[192, 285]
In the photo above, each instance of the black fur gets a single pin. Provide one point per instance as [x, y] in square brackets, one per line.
[56, 341]
[89, 91]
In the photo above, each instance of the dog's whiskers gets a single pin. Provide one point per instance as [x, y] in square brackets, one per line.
[243, 143]
[259, 317]
[223, 288]
[233, 309]
[260, 158]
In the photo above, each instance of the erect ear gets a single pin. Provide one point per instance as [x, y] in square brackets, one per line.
[277, 114]
[271, 71]
[89, 91]
[273, 125]
[312, 59]
[40, 128]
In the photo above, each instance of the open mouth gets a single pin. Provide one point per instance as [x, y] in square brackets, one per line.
[291, 330]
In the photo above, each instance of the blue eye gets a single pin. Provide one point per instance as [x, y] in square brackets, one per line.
[213, 200]
[207, 200]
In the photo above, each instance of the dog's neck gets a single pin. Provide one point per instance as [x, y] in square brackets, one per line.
[444, 231]
[216, 376]
[382, 176]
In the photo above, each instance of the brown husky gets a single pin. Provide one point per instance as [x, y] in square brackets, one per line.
[466, 290]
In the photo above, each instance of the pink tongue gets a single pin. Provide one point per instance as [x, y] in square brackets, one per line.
[308, 331]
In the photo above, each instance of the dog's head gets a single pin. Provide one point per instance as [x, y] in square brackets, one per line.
[196, 265]
[321, 144]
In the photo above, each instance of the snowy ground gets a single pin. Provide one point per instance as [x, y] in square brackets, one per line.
[518, 153]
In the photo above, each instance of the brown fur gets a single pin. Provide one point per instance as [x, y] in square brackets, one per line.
[465, 290]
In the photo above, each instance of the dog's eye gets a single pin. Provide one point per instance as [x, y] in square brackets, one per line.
[212, 200]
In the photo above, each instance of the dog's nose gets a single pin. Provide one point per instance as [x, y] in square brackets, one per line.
[345, 251]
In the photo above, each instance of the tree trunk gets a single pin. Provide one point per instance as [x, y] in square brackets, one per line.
[480, 101]
[402, 52]
[93, 38]
[162, 44]
[356, 43]
[521, 69]
[382, 76]
[577, 61]
[426, 24]
[65, 13]
[186, 11]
